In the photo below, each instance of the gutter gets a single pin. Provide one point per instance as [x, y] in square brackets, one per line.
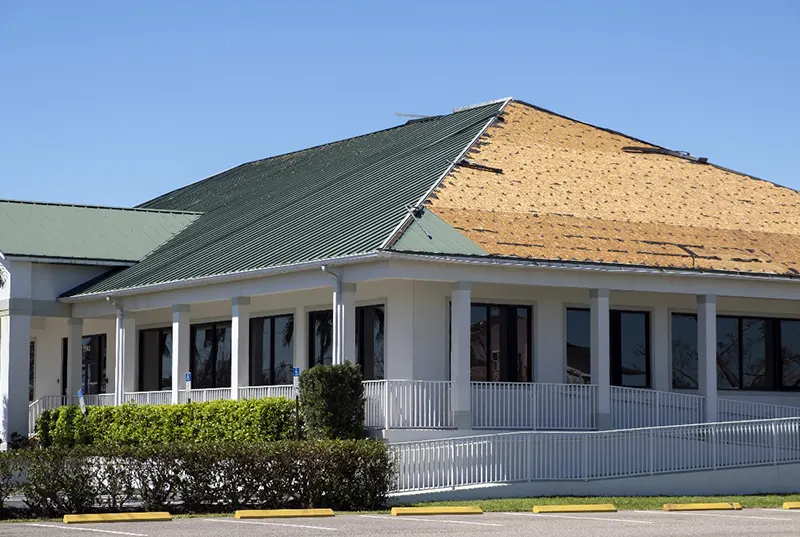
[224, 278]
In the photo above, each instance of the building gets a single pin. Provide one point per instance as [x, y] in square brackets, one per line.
[501, 267]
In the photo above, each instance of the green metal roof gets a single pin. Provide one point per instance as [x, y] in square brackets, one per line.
[85, 233]
[441, 238]
[343, 198]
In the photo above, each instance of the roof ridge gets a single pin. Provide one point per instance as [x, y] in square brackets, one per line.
[108, 207]
[619, 133]
[318, 146]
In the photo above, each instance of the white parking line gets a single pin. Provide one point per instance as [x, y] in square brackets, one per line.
[386, 517]
[86, 529]
[575, 517]
[284, 524]
[712, 515]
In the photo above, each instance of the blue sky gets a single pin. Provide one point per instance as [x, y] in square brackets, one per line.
[116, 102]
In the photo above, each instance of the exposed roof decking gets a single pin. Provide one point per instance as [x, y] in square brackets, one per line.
[569, 192]
[76, 232]
[335, 200]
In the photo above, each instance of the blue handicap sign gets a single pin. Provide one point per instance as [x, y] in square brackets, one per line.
[80, 394]
[188, 377]
[296, 372]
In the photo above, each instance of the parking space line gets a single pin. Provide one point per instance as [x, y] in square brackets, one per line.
[284, 524]
[674, 513]
[470, 523]
[86, 529]
[575, 517]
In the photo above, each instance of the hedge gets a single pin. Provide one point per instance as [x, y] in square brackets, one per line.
[343, 475]
[332, 401]
[244, 421]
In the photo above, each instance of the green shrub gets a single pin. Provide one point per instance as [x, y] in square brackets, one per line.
[341, 474]
[242, 421]
[332, 402]
[8, 469]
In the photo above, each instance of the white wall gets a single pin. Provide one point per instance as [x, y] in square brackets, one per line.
[51, 280]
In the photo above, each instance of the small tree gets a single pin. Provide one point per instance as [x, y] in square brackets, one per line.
[332, 402]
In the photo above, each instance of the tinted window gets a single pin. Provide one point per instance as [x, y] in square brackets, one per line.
[727, 352]
[790, 353]
[578, 347]
[684, 351]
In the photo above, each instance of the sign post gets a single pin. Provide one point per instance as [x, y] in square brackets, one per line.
[296, 389]
[188, 387]
[82, 402]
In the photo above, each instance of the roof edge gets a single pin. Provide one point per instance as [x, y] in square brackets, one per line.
[107, 207]
[61, 260]
[398, 231]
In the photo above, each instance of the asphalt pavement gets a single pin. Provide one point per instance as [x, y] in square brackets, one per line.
[750, 522]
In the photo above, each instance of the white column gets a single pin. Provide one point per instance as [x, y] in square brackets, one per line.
[601, 354]
[337, 350]
[180, 348]
[15, 338]
[349, 323]
[460, 320]
[300, 338]
[707, 352]
[131, 374]
[660, 366]
[240, 344]
[74, 356]
[548, 334]
[119, 358]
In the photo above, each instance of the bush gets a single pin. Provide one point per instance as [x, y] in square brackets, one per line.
[332, 402]
[8, 468]
[340, 474]
[242, 421]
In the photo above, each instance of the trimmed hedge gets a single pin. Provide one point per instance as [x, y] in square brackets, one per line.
[244, 421]
[332, 401]
[340, 474]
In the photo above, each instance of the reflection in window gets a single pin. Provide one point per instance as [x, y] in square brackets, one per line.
[93, 364]
[500, 342]
[271, 350]
[727, 352]
[755, 374]
[578, 347]
[155, 359]
[684, 352]
[211, 355]
[369, 341]
[790, 353]
[320, 326]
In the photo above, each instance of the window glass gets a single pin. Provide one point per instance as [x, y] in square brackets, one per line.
[684, 352]
[166, 359]
[790, 354]
[478, 343]
[222, 363]
[321, 327]
[754, 355]
[283, 328]
[369, 341]
[523, 344]
[727, 352]
[633, 349]
[578, 346]
[93, 364]
[496, 337]
[148, 360]
[203, 359]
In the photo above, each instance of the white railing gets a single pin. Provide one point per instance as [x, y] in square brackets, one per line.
[260, 392]
[734, 410]
[635, 407]
[527, 405]
[418, 404]
[528, 456]
[47, 402]
[204, 395]
[100, 399]
[375, 404]
[163, 397]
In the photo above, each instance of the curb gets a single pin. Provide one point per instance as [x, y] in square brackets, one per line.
[118, 517]
[576, 508]
[283, 513]
[702, 507]
[452, 510]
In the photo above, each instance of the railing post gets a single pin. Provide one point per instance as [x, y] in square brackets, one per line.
[652, 451]
[386, 413]
[585, 455]
[714, 446]
[774, 428]
[453, 463]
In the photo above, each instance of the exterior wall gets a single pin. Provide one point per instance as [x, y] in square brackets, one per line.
[50, 280]
[757, 480]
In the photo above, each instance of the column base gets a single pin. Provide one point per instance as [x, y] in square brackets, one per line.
[603, 422]
[463, 419]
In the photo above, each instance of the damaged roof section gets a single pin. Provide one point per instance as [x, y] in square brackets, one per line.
[568, 191]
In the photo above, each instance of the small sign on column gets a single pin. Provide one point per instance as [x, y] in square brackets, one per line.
[82, 402]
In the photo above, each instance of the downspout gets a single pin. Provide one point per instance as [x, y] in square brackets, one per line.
[338, 317]
[119, 356]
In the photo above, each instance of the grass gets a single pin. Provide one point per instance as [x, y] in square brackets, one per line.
[623, 503]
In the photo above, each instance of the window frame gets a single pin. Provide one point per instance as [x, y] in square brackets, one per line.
[270, 319]
[505, 307]
[161, 330]
[214, 326]
[773, 346]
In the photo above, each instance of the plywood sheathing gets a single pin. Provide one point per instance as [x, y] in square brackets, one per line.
[569, 192]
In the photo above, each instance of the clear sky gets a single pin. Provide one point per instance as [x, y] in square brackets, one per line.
[113, 102]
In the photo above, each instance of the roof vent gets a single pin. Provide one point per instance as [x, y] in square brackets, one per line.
[661, 151]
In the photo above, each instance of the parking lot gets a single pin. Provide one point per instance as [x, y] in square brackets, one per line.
[772, 522]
